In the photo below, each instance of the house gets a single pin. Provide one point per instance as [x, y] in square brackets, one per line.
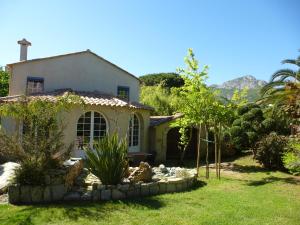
[111, 97]
[110, 93]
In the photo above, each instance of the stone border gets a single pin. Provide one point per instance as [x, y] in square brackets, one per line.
[58, 193]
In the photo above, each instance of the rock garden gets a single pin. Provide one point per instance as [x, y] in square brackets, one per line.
[73, 182]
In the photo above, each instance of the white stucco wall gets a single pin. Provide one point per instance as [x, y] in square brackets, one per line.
[81, 72]
[117, 121]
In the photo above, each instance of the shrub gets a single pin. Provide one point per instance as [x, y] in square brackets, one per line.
[235, 131]
[269, 124]
[236, 122]
[108, 159]
[245, 125]
[30, 173]
[291, 158]
[41, 145]
[252, 137]
[269, 150]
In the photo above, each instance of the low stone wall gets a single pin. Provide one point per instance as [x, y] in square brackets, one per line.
[57, 193]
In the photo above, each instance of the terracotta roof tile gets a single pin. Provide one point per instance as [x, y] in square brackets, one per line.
[157, 120]
[89, 98]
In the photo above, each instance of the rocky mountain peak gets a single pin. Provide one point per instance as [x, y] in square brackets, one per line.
[248, 81]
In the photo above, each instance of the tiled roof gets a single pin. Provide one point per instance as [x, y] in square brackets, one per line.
[157, 120]
[89, 98]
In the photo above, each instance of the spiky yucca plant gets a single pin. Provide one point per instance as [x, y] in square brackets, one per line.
[108, 159]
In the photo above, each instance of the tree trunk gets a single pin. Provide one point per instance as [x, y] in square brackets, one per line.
[185, 147]
[198, 149]
[216, 150]
[219, 152]
[207, 145]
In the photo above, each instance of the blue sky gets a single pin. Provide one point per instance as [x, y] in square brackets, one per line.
[234, 37]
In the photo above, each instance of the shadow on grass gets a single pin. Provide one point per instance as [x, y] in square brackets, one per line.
[75, 210]
[272, 179]
[246, 169]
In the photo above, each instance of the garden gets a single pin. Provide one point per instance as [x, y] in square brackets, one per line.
[257, 184]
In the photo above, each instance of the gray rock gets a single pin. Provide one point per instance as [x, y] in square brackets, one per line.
[153, 188]
[14, 194]
[96, 195]
[123, 187]
[25, 194]
[184, 185]
[87, 196]
[132, 193]
[72, 196]
[57, 180]
[171, 187]
[47, 194]
[101, 187]
[116, 194]
[37, 194]
[179, 186]
[58, 192]
[106, 195]
[7, 173]
[111, 187]
[162, 187]
[163, 168]
[145, 189]
[47, 180]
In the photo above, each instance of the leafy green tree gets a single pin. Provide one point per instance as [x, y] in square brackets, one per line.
[159, 98]
[194, 97]
[4, 83]
[166, 80]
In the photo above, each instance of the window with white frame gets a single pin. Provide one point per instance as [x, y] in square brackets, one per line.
[34, 85]
[134, 131]
[91, 127]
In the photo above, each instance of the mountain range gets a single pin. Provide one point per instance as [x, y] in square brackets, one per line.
[254, 85]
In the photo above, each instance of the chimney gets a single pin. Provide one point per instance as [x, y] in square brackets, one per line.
[23, 50]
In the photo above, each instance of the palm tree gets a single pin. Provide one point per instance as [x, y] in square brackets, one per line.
[283, 90]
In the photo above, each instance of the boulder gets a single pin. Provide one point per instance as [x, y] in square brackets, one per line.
[14, 194]
[72, 196]
[58, 192]
[7, 173]
[105, 194]
[142, 173]
[74, 167]
[116, 194]
[96, 195]
[163, 168]
[47, 194]
[25, 195]
[37, 194]
[87, 196]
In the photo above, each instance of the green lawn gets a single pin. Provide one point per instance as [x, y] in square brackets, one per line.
[245, 195]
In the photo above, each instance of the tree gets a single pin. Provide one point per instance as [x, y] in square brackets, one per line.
[159, 98]
[194, 97]
[166, 80]
[283, 90]
[4, 83]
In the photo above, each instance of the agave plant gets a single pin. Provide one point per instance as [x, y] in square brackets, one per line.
[108, 159]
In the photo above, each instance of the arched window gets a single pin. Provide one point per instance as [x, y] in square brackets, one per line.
[91, 127]
[134, 132]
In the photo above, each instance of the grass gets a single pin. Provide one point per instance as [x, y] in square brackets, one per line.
[246, 194]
